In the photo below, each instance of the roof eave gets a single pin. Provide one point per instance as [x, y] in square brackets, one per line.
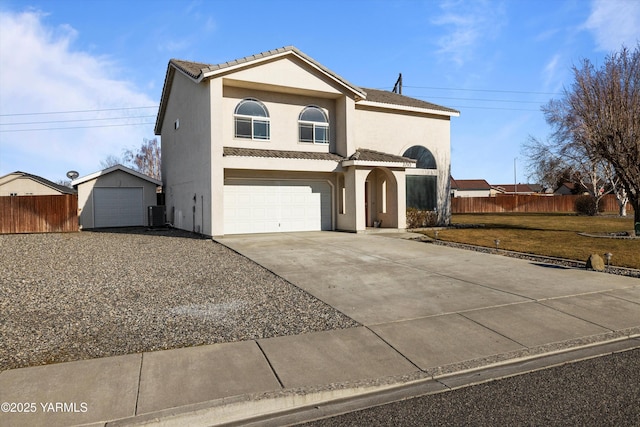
[355, 90]
[377, 163]
[112, 169]
[408, 108]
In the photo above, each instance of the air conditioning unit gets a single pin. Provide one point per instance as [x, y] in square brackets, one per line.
[157, 216]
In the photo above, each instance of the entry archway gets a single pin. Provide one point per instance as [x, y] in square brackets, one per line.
[381, 199]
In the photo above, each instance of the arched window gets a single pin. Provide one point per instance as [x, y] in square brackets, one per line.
[251, 120]
[425, 159]
[313, 126]
[422, 183]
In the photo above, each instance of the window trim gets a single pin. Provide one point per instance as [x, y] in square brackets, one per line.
[314, 125]
[253, 120]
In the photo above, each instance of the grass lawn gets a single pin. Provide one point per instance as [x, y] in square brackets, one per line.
[548, 234]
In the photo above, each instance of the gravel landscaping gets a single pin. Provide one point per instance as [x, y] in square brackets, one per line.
[84, 295]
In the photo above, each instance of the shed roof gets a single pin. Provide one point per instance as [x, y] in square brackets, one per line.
[111, 169]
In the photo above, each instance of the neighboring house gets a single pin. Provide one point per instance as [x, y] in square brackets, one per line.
[524, 189]
[25, 184]
[565, 189]
[470, 188]
[277, 142]
[569, 188]
[115, 197]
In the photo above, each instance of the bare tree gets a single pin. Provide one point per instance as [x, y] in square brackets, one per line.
[618, 189]
[147, 159]
[111, 160]
[555, 164]
[600, 113]
[545, 166]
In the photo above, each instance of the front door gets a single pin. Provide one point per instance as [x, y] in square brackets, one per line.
[367, 219]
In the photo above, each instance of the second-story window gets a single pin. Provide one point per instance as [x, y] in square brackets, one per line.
[251, 120]
[313, 126]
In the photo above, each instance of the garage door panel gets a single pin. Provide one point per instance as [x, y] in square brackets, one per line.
[276, 206]
[118, 207]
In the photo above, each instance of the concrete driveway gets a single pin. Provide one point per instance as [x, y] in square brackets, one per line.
[425, 311]
[441, 306]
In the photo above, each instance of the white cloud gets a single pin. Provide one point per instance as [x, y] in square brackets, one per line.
[40, 71]
[467, 25]
[551, 72]
[614, 23]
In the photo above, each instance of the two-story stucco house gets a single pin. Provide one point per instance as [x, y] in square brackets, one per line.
[277, 142]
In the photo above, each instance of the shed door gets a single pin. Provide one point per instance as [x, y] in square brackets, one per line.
[265, 206]
[118, 207]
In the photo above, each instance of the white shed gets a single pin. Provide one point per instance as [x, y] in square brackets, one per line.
[115, 197]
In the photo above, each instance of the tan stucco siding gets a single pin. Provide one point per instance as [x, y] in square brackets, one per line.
[284, 110]
[26, 187]
[186, 153]
[393, 133]
[280, 175]
[115, 179]
[286, 75]
[277, 164]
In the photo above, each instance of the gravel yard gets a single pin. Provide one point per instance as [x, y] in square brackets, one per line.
[84, 295]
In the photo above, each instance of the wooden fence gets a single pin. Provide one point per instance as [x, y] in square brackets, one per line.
[38, 214]
[527, 203]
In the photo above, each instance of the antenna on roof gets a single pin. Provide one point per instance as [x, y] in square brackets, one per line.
[397, 88]
[72, 175]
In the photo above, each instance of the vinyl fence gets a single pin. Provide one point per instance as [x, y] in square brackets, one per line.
[526, 203]
[38, 214]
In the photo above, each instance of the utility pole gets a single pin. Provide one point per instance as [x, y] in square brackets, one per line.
[515, 179]
[397, 88]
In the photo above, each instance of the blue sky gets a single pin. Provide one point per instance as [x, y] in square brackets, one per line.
[81, 80]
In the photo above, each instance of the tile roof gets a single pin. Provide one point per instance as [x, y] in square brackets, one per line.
[198, 69]
[280, 154]
[377, 156]
[361, 154]
[386, 97]
[193, 69]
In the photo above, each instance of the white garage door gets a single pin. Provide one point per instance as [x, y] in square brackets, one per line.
[118, 207]
[273, 206]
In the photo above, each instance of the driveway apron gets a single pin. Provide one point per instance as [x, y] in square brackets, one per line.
[438, 305]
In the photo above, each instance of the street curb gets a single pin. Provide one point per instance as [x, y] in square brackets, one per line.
[295, 406]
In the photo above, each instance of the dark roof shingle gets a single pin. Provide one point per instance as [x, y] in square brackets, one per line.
[386, 97]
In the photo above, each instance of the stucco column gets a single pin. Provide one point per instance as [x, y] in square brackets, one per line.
[217, 170]
[347, 220]
[360, 211]
[401, 191]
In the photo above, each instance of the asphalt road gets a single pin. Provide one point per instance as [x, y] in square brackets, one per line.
[603, 391]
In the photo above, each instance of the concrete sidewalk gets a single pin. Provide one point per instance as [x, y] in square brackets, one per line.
[425, 311]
